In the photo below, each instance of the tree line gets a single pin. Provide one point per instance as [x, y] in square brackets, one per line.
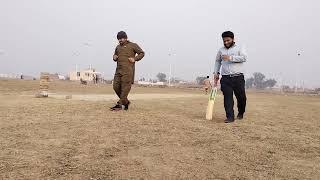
[258, 81]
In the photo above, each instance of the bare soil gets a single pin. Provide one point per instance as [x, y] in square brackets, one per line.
[158, 138]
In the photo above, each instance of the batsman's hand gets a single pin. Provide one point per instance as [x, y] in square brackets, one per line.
[226, 57]
[215, 83]
[215, 79]
[132, 60]
[115, 57]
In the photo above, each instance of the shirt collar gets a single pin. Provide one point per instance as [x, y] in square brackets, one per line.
[125, 43]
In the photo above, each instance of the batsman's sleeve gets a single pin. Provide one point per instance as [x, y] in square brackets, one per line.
[139, 51]
[241, 57]
[217, 64]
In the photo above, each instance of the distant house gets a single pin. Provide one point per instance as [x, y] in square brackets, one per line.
[148, 83]
[16, 76]
[11, 76]
[54, 77]
[62, 77]
[85, 75]
[145, 83]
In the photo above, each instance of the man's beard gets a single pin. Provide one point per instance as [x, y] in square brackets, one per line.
[122, 42]
[230, 45]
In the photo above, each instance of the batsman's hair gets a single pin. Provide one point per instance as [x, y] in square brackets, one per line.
[208, 76]
[228, 34]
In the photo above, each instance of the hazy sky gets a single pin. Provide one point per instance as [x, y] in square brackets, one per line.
[55, 35]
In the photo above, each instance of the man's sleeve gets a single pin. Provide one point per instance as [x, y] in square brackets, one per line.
[241, 57]
[217, 64]
[139, 51]
[115, 53]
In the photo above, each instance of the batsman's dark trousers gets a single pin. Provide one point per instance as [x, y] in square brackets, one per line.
[236, 85]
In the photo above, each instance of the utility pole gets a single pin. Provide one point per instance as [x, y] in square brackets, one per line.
[296, 88]
[170, 68]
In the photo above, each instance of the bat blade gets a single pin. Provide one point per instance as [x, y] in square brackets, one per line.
[210, 107]
[209, 113]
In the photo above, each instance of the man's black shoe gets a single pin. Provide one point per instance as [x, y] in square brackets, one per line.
[240, 116]
[117, 107]
[126, 107]
[229, 120]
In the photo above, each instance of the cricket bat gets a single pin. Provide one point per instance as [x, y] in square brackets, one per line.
[212, 98]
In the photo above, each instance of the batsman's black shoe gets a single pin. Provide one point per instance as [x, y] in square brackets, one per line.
[240, 116]
[126, 107]
[117, 107]
[229, 120]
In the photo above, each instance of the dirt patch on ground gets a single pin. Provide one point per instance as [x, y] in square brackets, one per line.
[159, 138]
[112, 97]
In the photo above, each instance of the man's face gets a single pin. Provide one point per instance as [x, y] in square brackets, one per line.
[228, 42]
[122, 41]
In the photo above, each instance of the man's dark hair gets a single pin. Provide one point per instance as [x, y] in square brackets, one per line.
[228, 34]
[121, 35]
[207, 76]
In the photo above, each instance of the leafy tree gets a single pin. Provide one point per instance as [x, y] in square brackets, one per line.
[258, 80]
[162, 77]
[200, 80]
[270, 83]
[249, 82]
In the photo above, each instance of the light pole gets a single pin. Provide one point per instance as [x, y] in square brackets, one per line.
[297, 66]
[281, 83]
[170, 68]
[2, 53]
[88, 45]
[76, 54]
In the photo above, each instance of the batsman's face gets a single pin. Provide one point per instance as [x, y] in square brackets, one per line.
[228, 42]
[122, 41]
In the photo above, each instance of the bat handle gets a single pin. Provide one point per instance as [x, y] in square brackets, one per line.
[215, 83]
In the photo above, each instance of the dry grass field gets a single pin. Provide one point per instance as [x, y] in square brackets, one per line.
[163, 136]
